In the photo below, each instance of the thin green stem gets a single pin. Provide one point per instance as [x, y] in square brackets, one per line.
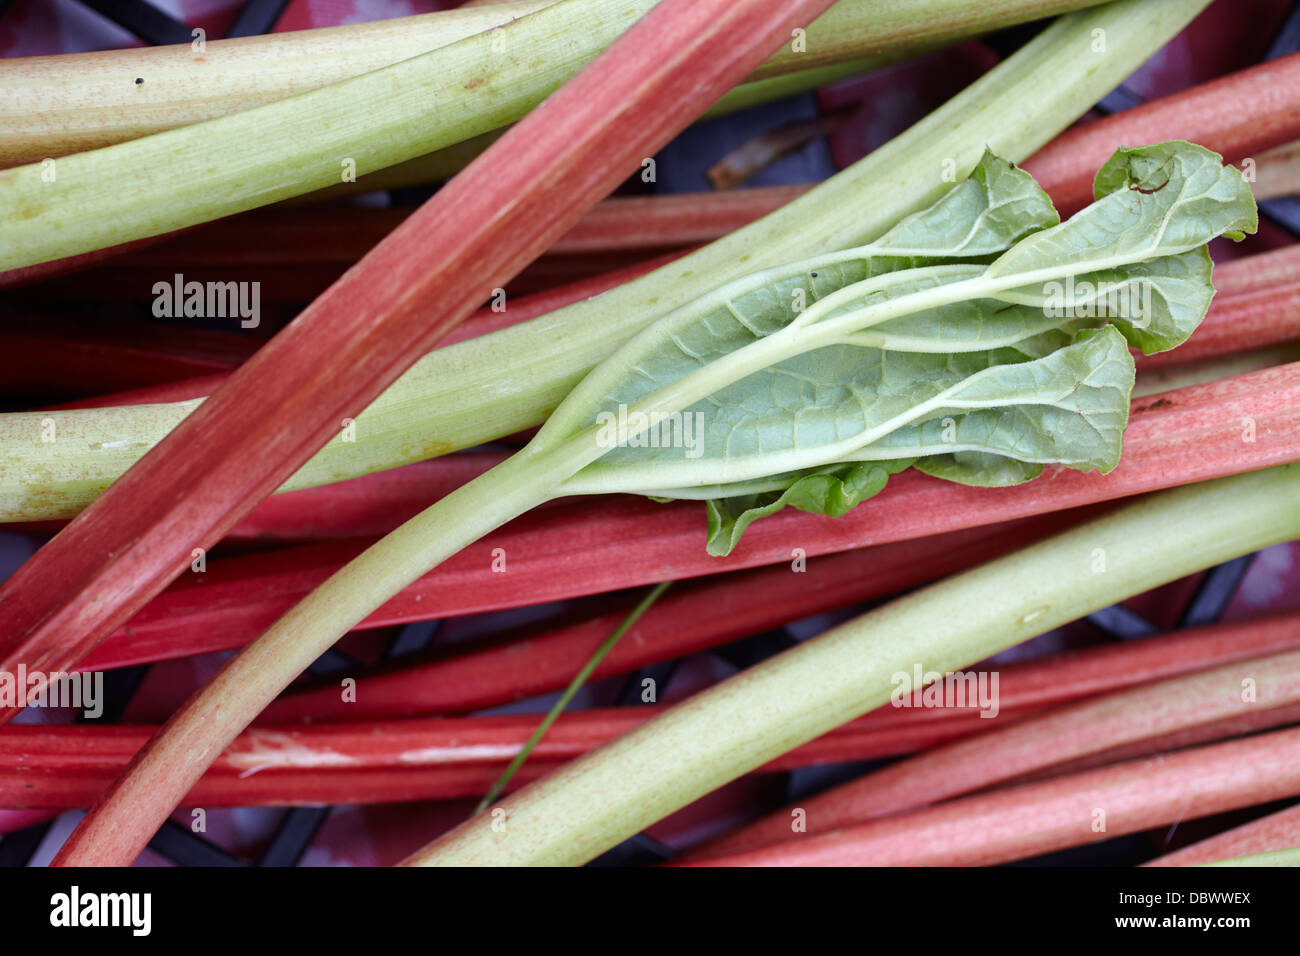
[574, 686]
[593, 803]
[501, 383]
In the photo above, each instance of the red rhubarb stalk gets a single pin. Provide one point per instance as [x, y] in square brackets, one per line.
[379, 761]
[1073, 810]
[180, 391]
[495, 675]
[338, 355]
[1264, 270]
[571, 148]
[695, 616]
[1248, 721]
[340, 235]
[54, 355]
[236, 598]
[1211, 114]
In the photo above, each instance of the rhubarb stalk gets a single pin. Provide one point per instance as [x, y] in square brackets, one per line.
[491, 676]
[356, 339]
[67, 766]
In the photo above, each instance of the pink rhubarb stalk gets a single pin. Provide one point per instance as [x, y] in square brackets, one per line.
[378, 761]
[1238, 322]
[512, 202]
[526, 190]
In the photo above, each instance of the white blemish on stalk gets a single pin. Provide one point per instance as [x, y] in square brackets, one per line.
[276, 751]
[457, 754]
[1037, 612]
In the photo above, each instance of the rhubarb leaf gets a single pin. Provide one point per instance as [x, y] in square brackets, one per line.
[1155, 201]
[982, 372]
[846, 402]
[1140, 248]
[1217, 200]
[1068, 408]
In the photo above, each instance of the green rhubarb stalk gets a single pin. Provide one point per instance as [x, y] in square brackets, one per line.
[53, 464]
[607, 796]
[313, 139]
[250, 158]
[55, 105]
[1287, 857]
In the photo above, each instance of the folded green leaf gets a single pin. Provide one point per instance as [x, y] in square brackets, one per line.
[830, 491]
[993, 426]
[980, 469]
[767, 392]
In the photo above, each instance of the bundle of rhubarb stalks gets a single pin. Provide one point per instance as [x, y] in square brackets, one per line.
[381, 431]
